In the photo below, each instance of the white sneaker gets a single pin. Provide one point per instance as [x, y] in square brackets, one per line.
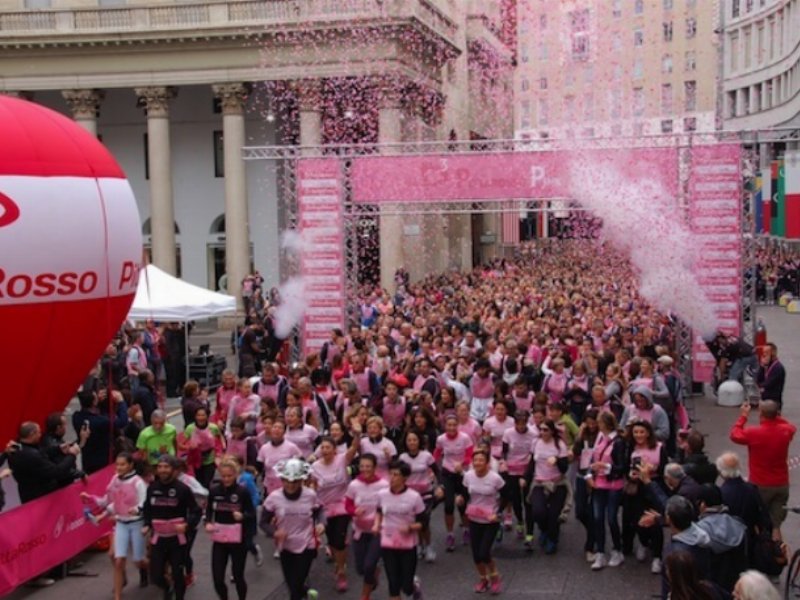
[655, 566]
[259, 556]
[591, 556]
[430, 554]
[276, 554]
[616, 559]
[641, 552]
[600, 562]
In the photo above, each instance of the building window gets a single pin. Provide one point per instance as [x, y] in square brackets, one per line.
[666, 98]
[616, 10]
[691, 61]
[690, 95]
[748, 48]
[544, 112]
[666, 27]
[638, 68]
[588, 107]
[690, 124]
[666, 63]
[38, 3]
[734, 51]
[638, 6]
[543, 22]
[667, 4]
[748, 5]
[579, 26]
[691, 28]
[524, 54]
[219, 155]
[638, 37]
[542, 51]
[615, 99]
[735, 8]
[760, 44]
[526, 114]
[666, 126]
[543, 83]
[638, 102]
[525, 85]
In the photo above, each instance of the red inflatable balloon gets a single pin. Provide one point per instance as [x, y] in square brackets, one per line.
[70, 247]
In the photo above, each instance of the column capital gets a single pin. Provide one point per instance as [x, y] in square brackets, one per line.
[309, 94]
[83, 104]
[232, 96]
[390, 92]
[155, 100]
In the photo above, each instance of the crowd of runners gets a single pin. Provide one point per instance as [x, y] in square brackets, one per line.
[503, 401]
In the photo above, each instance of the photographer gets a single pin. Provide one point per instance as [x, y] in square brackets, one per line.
[102, 431]
[58, 450]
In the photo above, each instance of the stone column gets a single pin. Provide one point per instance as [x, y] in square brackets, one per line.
[390, 115]
[309, 101]
[233, 97]
[155, 101]
[84, 106]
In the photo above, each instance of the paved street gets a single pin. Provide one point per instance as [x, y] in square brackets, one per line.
[565, 575]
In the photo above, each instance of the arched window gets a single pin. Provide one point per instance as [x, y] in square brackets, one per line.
[218, 225]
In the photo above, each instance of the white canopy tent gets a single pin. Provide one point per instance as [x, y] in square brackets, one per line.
[162, 297]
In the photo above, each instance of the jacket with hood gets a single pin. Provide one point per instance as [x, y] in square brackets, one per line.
[657, 417]
[700, 468]
[728, 545]
[695, 541]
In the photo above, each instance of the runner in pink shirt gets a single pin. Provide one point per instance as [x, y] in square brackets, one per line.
[377, 444]
[301, 435]
[273, 452]
[467, 424]
[244, 404]
[494, 427]
[361, 502]
[330, 477]
[483, 488]
[423, 474]
[454, 451]
[517, 444]
[401, 515]
[295, 512]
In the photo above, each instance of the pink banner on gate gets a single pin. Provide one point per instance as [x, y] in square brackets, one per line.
[496, 176]
[319, 184]
[715, 213]
[39, 535]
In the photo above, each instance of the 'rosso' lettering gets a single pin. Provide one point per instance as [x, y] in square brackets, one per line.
[44, 285]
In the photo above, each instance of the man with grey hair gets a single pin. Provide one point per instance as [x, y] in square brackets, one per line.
[768, 452]
[740, 496]
[754, 585]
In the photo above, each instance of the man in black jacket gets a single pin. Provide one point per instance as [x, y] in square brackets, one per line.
[35, 474]
[167, 510]
[771, 376]
[102, 429]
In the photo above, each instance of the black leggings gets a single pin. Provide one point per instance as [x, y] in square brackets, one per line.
[633, 508]
[514, 495]
[482, 536]
[296, 568]
[336, 531]
[400, 565]
[546, 509]
[205, 474]
[219, 562]
[169, 551]
[453, 486]
[367, 551]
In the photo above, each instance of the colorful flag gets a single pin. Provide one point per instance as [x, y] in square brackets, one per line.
[791, 170]
[758, 209]
[766, 201]
[778, 204]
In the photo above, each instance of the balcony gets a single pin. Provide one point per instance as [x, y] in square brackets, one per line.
[237, 17]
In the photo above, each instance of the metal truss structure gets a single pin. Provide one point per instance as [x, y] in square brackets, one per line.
[357, 216]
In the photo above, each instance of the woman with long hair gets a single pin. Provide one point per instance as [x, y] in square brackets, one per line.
[685, 582]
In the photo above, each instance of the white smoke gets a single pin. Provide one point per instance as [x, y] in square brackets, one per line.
[290, 311]
[642, 219]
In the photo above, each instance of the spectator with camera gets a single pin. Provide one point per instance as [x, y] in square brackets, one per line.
[101, 427]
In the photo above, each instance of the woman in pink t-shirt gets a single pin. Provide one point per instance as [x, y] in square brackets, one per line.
[361, 502]
[295, 513]
[466, 424]
[494, 427]
[330, 477]
[517, 444]
[400, 518]
[454, 449]
[423, 474]
[300, 434]
[277, 449]
[379, 445]
[483, 488]
[549, 486]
